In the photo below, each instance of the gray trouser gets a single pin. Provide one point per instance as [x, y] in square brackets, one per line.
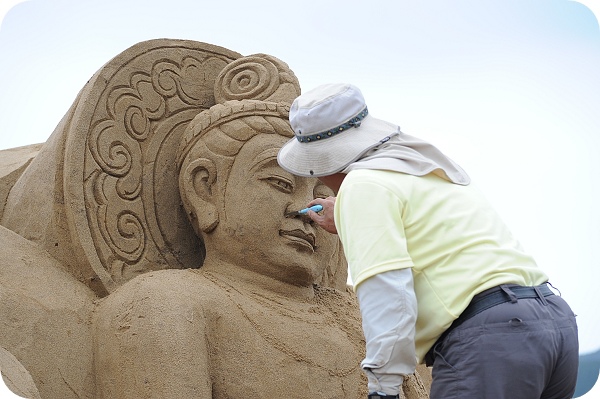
[523, 350]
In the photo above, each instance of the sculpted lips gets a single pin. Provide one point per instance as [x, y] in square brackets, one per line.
[299, 236]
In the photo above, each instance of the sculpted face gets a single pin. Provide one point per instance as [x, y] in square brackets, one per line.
[253, 231]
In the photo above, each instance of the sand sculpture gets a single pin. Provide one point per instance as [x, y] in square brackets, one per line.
[145, 252]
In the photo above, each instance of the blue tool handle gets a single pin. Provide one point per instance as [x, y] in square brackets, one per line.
[316, 208]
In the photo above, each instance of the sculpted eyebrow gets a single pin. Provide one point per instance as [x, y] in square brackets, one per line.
[264, 157]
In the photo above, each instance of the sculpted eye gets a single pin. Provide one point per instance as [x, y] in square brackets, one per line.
[281, 184]
[322, 191]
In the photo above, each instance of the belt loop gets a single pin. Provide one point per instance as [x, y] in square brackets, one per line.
[550, 284]
[511, 295]
[542, 297]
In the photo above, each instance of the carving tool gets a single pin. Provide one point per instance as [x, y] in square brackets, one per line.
[316, 208]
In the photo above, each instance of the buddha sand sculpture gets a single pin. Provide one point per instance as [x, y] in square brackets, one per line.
[145, 251]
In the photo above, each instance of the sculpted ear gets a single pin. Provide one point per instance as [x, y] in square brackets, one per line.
[196, 185]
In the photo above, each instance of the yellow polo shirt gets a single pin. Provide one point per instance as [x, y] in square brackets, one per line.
[455, 243]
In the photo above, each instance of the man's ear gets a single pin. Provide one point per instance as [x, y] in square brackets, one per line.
[196, 185]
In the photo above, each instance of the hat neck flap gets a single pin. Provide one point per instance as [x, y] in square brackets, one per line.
[411, 155]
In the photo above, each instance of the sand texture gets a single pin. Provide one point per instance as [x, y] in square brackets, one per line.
[145, 252]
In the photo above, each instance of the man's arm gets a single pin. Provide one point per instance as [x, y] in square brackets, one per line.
[369, 222]
[389, 312]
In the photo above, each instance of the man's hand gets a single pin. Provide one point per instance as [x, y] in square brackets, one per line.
[325, 217]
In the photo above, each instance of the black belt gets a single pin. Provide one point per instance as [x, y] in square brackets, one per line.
[488, 299]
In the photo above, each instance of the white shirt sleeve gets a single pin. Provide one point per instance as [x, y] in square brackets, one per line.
[388, 307]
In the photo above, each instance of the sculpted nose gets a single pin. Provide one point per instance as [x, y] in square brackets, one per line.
[307, 220]
[292, 212]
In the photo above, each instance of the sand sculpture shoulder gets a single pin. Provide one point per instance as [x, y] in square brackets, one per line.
[228, 340]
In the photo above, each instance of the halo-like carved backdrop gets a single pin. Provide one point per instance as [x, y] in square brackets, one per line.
[124, 137]
[125, 133]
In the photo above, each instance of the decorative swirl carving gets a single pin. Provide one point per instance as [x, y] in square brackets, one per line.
[131, 237]
[191, 81]
[165, 78]
[136, 106]
[136, 123]
[119, 158]
[249, 77]
[130, 109]
[121, 228]
[113, 156]
[258, 77]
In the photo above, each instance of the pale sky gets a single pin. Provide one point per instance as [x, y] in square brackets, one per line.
[509, 89]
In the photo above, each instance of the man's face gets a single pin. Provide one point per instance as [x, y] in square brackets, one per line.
[252, 225]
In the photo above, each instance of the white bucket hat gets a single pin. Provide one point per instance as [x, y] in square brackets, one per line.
[332, 129]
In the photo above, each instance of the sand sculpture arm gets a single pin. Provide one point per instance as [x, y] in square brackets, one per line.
[44, 321]
[152, 341]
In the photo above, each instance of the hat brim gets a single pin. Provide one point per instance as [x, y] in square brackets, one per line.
[333, 154]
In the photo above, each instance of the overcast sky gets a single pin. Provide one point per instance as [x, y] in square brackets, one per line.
[510, 89]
